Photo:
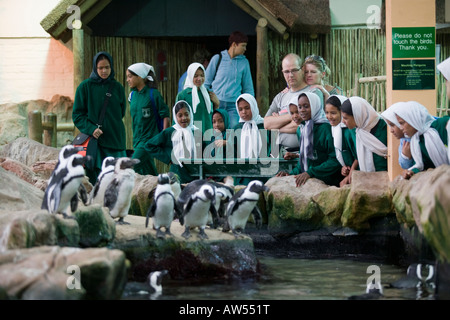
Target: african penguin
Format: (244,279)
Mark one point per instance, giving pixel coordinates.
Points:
(155,279)
(104,179)
(163,207)
(223,196)
(241,205)
(65,182)
(118,193)
(197,199)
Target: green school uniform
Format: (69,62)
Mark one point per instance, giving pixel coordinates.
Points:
(440,125)
(89,100)
(325,165)
(160,147)
(145,126)
(380,132)
(266,139)
(201,114)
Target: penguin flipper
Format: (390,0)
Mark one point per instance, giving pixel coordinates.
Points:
(74,203)
(177,209)
(215,215)
(150,212)
(83,194)
(257,216)
(111,194)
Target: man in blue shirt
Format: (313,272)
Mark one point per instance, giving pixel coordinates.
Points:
(230,77)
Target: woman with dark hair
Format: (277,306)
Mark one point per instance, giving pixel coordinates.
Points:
(176,142)
(89,101)
(145,100)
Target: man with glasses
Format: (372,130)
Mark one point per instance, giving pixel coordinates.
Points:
(278,116)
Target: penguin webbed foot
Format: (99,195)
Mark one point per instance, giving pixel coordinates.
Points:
(238,234)
(66,216)
(122,222)
(186,234)
(202,235)
(160,234)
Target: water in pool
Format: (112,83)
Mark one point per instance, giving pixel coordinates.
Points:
(290,279)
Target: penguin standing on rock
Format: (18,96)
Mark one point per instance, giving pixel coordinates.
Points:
(118,194)
(104,179)
(224,193)
(241,205)
(163,207)
(175,184)
(65,182)
(197,199)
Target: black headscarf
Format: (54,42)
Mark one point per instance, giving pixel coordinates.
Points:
(94,74)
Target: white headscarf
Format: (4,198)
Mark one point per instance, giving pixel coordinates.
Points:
(307,135)
(337,134)
(142,70)
(251,142)
(444,68)
(417,116)
(189,83)
(366,143)
(389,113)
(185,134)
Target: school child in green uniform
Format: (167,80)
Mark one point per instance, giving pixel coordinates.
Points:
(176,142)
(429,137)
(195,93)
(217,147)
(368,138)
(145,99)
(89,101)
(250,139)
(317,157)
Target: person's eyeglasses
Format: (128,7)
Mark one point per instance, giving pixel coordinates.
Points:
(293,71)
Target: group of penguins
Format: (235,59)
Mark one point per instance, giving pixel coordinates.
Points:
(200,203)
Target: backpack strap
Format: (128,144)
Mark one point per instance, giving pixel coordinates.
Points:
(105,104)
(217,67)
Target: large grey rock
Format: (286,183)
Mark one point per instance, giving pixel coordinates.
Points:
(28,152)
(369,197)
(291,209)
(222,255)
(52,272)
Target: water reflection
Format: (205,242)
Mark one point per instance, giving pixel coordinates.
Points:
(292,279)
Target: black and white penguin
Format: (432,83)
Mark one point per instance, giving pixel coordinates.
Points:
(164,207)
(105,177)
(224,193)
(118,194)
(196,200)
(241,205)
(155,279)
(65,182)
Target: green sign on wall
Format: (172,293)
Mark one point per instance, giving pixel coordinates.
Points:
(413,74)
(417,42)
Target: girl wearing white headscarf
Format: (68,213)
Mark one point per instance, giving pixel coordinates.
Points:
(428,136)
(253,140)
(444,68)
(197,96)
(405,159)
(144,99)
(317,158)
(176,142)
(370,132)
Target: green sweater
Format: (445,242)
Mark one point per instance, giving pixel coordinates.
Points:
(325,167)
(144,122)
(201,114)
(89,99)
(380,132)
(440,125)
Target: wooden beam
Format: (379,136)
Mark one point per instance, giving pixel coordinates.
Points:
(262,66)
(273,22)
